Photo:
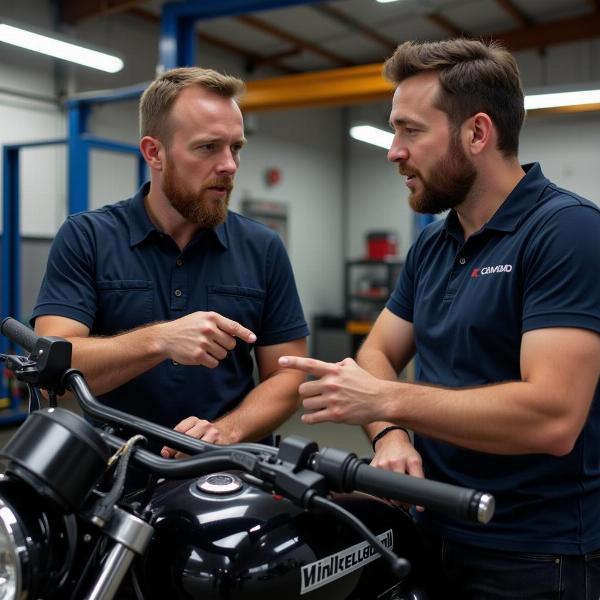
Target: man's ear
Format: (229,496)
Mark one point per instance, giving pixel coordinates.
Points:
(480,132)
(153,152)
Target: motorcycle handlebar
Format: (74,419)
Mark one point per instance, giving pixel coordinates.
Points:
(344,471)
(349,473)
(451,500)
(18,333)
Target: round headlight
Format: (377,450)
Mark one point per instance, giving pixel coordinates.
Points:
(12,553)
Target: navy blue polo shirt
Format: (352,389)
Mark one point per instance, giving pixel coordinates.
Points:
(113,270)
(535,264)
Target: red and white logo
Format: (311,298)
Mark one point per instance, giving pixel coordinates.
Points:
(480,271)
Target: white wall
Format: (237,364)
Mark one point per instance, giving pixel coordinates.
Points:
(566,145)
(24,119)
(304,145)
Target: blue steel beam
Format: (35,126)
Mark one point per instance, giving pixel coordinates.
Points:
(10,236)
(78,159)
(98,143)
(11,260)
(177,31)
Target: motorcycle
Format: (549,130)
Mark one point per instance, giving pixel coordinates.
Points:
(237,522)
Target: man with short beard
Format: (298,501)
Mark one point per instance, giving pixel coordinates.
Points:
(166,295)
(501,304)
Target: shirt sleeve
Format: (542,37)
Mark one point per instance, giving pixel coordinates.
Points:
(68,287)
(283,319)
(561,270)
(401,302)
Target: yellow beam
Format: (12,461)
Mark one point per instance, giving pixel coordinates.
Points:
(592,107)
(335,87)
(338,87)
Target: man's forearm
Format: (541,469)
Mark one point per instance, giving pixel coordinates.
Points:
(266,407)
(376,363)
(109,362)
(508,418)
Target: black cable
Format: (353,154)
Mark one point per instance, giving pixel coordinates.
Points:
(400,566)
(103,508)
(34,399)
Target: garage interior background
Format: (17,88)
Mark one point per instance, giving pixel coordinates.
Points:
(335,189)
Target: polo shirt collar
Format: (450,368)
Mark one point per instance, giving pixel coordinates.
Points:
(140,225)
(221,232)
(516,206)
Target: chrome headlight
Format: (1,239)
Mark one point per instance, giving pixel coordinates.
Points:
(13,554)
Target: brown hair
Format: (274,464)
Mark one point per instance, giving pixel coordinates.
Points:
(474,77)
(158,98)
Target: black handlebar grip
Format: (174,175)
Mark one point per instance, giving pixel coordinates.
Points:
(451,500)
(18,333)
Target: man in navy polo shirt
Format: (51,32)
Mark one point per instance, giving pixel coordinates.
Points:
(501,303)
(165,295)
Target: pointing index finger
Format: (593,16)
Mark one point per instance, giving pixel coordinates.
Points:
(317,368)
(235,329)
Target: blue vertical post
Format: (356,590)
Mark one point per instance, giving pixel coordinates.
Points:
(78,158)
(11,255)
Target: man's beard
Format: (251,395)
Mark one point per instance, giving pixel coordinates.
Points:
(196,206)
(451,180)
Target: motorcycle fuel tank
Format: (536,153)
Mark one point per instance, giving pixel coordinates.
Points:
(222,538)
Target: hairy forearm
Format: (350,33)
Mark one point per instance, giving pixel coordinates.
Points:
(507,418)
(266,407)
(376,362)
(109,362)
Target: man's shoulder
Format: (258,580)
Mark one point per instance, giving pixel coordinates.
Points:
(556,198)
(249,228)
(100,215)
(106,217)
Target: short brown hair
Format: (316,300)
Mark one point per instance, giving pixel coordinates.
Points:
(159,96)
(474,77)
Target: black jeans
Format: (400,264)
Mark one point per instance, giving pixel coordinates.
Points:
(464,572)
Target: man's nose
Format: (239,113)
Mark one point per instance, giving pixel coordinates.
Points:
(228,162)
(398,152)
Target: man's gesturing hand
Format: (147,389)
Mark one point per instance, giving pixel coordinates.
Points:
(201,338)
(343,392)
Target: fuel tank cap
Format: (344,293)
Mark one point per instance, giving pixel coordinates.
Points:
(219,484)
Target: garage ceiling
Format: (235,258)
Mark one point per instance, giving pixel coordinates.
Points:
(344,33)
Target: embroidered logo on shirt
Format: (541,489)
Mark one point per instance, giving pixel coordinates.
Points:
(479,271)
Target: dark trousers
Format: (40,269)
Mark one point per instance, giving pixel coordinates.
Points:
(463,572)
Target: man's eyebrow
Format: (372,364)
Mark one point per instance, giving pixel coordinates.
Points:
(405,121)
(216,140)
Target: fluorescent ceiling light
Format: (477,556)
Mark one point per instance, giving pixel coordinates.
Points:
(386,1)
(372,135)
(562,99)
(53,45)
(383,138)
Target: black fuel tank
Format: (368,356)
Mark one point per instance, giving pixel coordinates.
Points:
(221,538)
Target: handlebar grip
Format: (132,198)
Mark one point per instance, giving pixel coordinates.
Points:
(452,500)
(18,333)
